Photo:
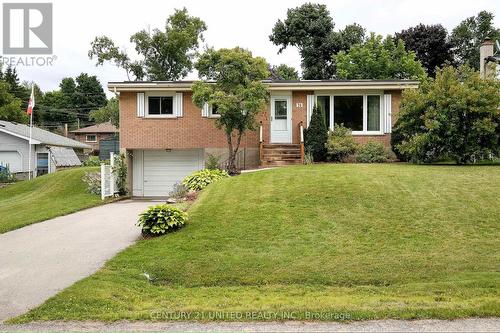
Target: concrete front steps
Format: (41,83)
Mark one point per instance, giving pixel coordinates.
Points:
(278,154)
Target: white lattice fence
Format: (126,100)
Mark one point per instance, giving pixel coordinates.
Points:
(108,178)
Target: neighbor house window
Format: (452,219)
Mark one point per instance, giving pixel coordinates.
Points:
(160,106)
(91,138)
(360,113)
(348,110)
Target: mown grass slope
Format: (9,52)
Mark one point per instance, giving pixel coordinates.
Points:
(349,241)
(45,197)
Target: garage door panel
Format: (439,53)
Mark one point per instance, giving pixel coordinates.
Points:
(163,169)
(12,159)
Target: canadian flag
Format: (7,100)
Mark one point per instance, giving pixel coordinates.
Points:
(31,102)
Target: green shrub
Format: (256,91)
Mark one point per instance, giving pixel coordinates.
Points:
(455,116)
(159,219)
(316,135)
(372,152)
(340,144)
(93,181)
(120,171)
(6,176)
(200,179)
(212,162)
(179,191)
(92,161)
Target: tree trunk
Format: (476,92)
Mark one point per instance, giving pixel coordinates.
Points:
(231,161)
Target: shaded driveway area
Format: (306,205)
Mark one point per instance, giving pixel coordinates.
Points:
(41,259)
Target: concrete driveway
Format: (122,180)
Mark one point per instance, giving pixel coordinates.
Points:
(41,259)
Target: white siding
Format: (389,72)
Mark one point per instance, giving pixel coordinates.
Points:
(10,143)
(137,173)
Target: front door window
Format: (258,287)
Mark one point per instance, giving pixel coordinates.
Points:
(281,131)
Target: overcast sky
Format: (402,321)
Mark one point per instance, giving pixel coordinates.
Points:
(230,23)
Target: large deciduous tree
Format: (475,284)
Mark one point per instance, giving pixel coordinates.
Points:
(10,106)
(378,58)
(430,44)
(236,91)
(310,29)
(467,37)
(283,72)
(165,55)
(110,112)
(456,116)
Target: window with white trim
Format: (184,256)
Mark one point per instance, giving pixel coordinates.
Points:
(361,113)
(214,111)
(160,106)
(91,138)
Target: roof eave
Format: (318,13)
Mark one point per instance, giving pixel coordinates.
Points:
(273,86)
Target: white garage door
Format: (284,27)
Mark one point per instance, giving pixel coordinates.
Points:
(12,159)
(162,169)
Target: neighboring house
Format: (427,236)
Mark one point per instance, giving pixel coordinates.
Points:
(92,135)
(49,151)
(166,136)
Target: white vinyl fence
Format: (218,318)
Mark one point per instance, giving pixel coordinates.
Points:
(108,178)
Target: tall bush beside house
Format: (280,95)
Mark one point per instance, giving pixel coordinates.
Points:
(456,117)
(340,144)
(316,135)
(120,171)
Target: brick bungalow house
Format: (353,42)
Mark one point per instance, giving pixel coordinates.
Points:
(166,136)
(92,135)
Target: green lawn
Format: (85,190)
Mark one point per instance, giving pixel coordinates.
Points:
(312,242)
(45,197)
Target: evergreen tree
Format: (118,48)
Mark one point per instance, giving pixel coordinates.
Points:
(316,135)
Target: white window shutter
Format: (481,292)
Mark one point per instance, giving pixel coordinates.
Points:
(387,113)
(178,104)
(309,109)
(205,110)
(140,104)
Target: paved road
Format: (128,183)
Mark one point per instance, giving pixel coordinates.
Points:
(461,325)
(41,259)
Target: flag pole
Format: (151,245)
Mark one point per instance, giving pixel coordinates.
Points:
(29,150)
(31,104)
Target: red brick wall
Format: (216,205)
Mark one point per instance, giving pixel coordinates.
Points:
(189,131)
(194,131)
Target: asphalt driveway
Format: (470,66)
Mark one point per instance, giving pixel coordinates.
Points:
(41,259)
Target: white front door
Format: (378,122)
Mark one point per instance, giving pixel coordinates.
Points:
(281,119)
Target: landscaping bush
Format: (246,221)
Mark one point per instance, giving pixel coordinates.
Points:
(5,175)
(316,135)
(179,191)
(212,162)
(159,219)
(92,161)
(371,152)
(120,171)
(453,117)
(93,181)
(200,179)
(340,144)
